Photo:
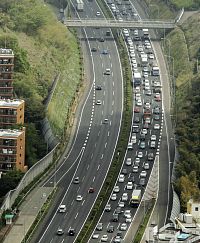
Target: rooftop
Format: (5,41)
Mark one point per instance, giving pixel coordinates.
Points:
(8,133)
(10,103)
(6,52)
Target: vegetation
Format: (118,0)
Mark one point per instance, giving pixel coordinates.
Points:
(184,48)
(44,49)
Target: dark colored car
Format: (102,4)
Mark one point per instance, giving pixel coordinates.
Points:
(101,39)
(71,232)
(94,49)
(99,87)
(91,190)
(150,156)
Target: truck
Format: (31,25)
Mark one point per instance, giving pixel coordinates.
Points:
(136,197)
(79,5)
(137,78)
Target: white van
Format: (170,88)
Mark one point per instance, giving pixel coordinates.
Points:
(62,208)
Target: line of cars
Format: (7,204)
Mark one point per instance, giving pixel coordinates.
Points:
(143,140)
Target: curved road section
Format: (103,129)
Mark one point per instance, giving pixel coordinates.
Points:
(93,148)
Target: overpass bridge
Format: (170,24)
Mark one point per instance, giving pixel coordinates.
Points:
(112,23)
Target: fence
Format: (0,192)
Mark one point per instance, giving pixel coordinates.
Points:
(30,175)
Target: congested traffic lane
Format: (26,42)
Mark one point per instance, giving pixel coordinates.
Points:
(109,228)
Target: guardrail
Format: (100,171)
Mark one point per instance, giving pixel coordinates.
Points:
(29,176)
(111,23)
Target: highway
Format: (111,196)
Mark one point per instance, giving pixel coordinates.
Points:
(95,141)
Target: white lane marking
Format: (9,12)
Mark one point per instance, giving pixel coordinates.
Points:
(112,74)
(102,156)
(98,167)
(76,216)
(113,92)
(93,179)
(105,144)
(110,123)
(83,178)
(102,112)
(113,102)
(99,133)
(111,64)
(95,145)
(91,155)
(112,112)
(104,92)
(108,133)
(103,102)
(79,188)
(88,166)
(83,202)
(72,202)
(113,84)
(51,240)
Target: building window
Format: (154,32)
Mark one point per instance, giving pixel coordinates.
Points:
(196,209)
(20,155)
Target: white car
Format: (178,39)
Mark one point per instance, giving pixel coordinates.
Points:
(128,219)
(137,96)
(129,185)
(137,161)
(151,56)
(79,198)
(98,13)
(143,173)
(98,102)
(147,105)
(124,197)
(140,154)
(121,204)
(153,137)
(95,236)
(116,189)
(137,89)
(128,161)
(144,131)
(156,126)
(104,238)
(127,212)
(113,197)
(139,103)
(121,178)
(135,168)
(132,54)
(123,227)
(146,166)
(62,208)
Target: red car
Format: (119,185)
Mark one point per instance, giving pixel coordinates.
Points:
(136,109)
(91,190)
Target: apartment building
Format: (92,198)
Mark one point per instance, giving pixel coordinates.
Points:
(11,112)
(12,150)
(6,73)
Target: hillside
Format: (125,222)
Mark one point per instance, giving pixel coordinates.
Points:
(43,48)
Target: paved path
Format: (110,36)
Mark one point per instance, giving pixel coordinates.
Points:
(28,212)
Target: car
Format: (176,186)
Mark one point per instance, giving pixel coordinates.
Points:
(108,71)
(105,121)
(93,49)
(113,197)
(156,110)
(147,120)
(110,229)
(115,217)
(153,144)
(71,231)
(95,236)
(145,69)
(157,98)
(151,56)
(91,190)
(146,125)
(142,145)
(132,54)
(140,154)
(146,166)
(135,169)
(121,178)
(116,189)
(153,137)
(128,219)
(136,109)
(156,126)
(144,131)
(145,75)
(130,146)
(139,103)
(128,161)
(147,106)
(123,227)
(105,52)
(104,238)
(124,171)
(76,180)
(108,208)
(143,173)
(136,119)
(124,197)
(142,137)
(117,239)
(129,185)
(79,198)
(150,156)
(156,117)
(142,182)
(132,178)
(62,208)
(137,161)
(135,129)
(121,204)
(148,92)
(101,39)
(127,212)
(98,87)
(98,102)
(98,13)
(99,227)
(60,231)
(118,210)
